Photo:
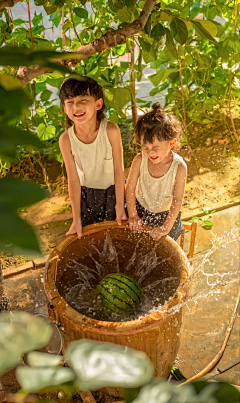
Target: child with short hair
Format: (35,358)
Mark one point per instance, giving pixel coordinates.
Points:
(156,182)
(93,155)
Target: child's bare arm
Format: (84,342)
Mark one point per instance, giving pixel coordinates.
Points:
(134,220)
(178,193)
(74,186)
(115,139)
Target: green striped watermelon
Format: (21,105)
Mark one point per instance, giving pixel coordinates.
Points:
(119,293)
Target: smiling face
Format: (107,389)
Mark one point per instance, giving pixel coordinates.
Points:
(157,151)
(82,108)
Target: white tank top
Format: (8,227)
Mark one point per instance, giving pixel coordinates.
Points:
(155,194)
(94,161)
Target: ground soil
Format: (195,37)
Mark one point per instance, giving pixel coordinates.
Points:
(212,181)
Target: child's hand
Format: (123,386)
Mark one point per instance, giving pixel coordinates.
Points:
(158,232)
(120,214)
(76,228)
(135,223)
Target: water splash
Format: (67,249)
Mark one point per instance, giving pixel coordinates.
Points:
(208,275)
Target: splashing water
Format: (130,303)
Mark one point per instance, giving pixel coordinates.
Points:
(209,273)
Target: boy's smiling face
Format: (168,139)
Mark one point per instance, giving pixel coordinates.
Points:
(82,108)
(157,151)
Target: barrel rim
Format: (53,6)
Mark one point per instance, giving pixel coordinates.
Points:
(104,327)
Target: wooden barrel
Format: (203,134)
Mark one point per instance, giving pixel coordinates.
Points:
(157,333)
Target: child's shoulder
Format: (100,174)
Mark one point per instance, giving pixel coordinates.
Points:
(112,127)
(182,166)
(64,138)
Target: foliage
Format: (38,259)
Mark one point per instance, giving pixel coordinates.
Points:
(92,365)
(205,222)
(179,38)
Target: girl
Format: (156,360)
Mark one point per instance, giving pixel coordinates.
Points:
(93,156)
(156,182)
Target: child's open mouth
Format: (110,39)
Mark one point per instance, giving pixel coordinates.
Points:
(79,114)
(153,158)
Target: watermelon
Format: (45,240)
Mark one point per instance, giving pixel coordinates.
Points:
(119,293)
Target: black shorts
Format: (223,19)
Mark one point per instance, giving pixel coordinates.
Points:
(97,205)
(158,219)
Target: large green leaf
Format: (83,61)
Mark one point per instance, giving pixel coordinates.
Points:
(125,14)
(157,31)
(18,56)
(15,102)
(16,193)
(45,95)
(179,30)
(38,359)
(170,43)
(11,138)
(16,235)
(116,5)
(33,380)
(46,133)
(202,31)
(99,364)
(20,333)
(117,98)
(80,12)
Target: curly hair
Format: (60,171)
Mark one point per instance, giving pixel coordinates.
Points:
(72,88)
(159,124)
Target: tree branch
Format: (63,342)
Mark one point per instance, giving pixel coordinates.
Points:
(110,39)
(8,3)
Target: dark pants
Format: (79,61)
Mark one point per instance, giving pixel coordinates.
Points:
(97,205)
(158,219)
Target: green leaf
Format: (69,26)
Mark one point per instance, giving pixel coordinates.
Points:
(132,368)
(157,31)
(80,12)
(11,138)
(209,26)
(45,133)
(208,223)
(124,14)
(148,25)
(38,359)
(174,6)
(45,95)
(16,235)
(170,43)
(202,31)
(116,5)
(33,380)
(149,57)
(114,118)
(159,391)
(20,333)
(17,193)
(179,30)
(15,102)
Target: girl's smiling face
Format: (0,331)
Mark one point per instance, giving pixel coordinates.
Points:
(157,151)
(82,108)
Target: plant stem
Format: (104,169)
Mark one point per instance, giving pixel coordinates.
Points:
(30,25)
(230,80)
(63,41)
(184,112)
(133,89)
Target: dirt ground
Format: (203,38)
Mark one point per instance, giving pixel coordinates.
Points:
(212,182)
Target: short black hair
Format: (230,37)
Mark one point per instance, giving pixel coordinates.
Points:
(159,124)
(72,88)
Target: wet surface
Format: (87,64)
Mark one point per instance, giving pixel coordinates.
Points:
(206,315)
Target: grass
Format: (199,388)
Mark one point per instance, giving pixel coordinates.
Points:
(62,209)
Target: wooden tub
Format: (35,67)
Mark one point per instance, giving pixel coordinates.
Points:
(157,334)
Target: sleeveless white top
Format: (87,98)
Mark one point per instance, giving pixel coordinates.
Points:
(94,161)
(155,194)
